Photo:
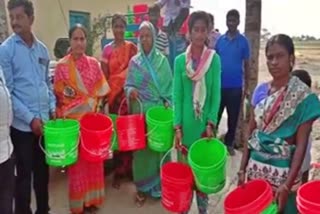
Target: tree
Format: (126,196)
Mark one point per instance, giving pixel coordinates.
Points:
(4,31)
(253,33)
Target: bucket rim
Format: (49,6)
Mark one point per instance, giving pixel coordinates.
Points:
(185,166)
(148,118)
(302,188)
(76,123)
(260,197)
(208,167)
(98,131)
(298,199)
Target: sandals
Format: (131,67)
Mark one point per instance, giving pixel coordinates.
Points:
(140,199)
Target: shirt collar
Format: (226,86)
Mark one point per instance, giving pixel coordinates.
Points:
(18,39)
(227,37)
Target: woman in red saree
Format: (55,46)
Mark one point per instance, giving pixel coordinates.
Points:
(115,60)
(80,87)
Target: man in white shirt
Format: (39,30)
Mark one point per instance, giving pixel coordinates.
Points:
(6,148)
(176,12)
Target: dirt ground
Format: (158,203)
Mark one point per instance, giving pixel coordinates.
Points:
(121,201)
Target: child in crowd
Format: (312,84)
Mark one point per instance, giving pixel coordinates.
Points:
(304,76)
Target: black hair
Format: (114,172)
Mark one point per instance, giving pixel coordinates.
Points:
(198,15)
(283,40)
(76,27)
(116,17)
(26,4)
(303,75)
(211,18)
(154,9)
(233,13)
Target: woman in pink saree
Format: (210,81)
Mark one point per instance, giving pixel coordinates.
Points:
(80,87)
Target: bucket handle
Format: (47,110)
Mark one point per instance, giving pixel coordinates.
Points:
(151,131)
(92,153)
(49,155)
(181,148)
(164,156)
(124,99)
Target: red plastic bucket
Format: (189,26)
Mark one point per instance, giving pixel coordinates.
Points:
(176,187)
(96,133)
(305,210)
(131,131)
(308,199)
(137,10)
(252,197)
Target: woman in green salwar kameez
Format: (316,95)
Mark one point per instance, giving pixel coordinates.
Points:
(149,81)
(196,90)
(283,112)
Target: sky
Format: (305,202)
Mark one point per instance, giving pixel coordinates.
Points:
(292,17)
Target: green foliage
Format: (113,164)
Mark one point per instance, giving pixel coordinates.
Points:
(98,29)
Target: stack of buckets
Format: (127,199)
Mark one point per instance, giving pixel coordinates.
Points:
(308,200)
(176,178)
(61,138)
(139,9)
(254,197)
(208,159)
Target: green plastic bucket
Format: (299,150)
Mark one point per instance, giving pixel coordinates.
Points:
(61,139)
(115,145)
(66,124)
(208,160)
(160,128)
(272,209)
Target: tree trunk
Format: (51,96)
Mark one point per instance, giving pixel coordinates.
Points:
(253,33)
(3,21)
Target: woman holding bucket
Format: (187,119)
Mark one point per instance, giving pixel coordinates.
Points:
(115,60)
(283,112)
(149,81)
(80,86)
(197,73)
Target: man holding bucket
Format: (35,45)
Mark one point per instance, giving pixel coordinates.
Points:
(25,62)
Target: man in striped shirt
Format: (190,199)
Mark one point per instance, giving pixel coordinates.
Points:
(162,42)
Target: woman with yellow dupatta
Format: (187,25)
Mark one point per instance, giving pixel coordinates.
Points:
(115,60)
(80,86)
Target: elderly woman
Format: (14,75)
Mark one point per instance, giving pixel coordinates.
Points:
(6,150)
(80,86)
(115,61)
(149,82)
(196,91)
(283,112)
